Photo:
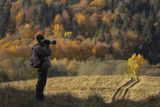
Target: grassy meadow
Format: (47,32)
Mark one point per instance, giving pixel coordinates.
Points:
(83,91)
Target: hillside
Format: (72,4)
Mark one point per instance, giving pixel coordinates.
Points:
(92,91)
(125,26)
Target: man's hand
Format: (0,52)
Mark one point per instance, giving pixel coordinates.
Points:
(47,42)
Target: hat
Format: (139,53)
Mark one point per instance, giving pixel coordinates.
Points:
(40,38)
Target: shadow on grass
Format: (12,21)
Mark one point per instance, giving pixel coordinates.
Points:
(10,97)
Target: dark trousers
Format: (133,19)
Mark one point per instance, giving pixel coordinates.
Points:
(42,79)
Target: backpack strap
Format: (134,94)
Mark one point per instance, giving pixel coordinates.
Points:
(35,45)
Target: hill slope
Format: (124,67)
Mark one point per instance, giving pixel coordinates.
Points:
(93,90)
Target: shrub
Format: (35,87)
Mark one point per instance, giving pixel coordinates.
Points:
(17,69)
(3,75)
(98,67)
(63,68)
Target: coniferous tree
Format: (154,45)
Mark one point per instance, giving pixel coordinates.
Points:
(157,5)
(43,15)
(4,16)
(138,26)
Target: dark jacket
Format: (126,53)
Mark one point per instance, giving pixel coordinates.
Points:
(43,53)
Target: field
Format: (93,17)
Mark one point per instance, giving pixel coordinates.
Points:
(83,91)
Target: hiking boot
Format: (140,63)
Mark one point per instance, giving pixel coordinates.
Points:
(40,97)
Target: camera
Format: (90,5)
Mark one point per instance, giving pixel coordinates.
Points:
(48,42)
(53,42)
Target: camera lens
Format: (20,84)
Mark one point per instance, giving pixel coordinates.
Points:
(53,42)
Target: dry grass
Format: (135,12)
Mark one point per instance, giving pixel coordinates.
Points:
(79,86)
(96,90)
(148,86)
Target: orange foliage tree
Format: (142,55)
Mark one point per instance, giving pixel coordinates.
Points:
(98,3)
(19,18)
(81,18)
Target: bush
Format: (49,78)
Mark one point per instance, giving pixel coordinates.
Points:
(63,68)
(98,67)
(17,69)
(3,75)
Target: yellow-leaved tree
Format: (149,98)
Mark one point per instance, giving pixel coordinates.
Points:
(134,64)
(58,30)
(68,34)
(49,2)
(26,31)
(80,18)
(106,18)
(98,3)
(19,18)
(57,26)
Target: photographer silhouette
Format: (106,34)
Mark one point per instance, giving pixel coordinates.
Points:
(40,60)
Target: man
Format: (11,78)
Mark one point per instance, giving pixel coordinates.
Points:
(43,51)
